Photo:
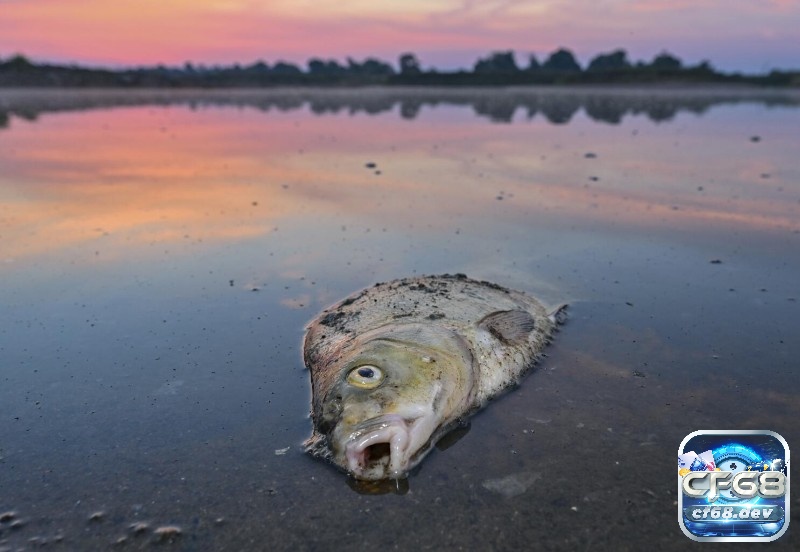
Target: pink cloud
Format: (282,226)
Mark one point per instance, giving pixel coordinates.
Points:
(448,32)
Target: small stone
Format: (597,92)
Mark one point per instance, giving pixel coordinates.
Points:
(715,261)
(167,533)
(120,541)
(17,524)
(7,516)
(370,165)
(755,138)
(97,516)
(139,528)
(590,155)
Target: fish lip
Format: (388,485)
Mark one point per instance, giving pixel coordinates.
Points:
(392,429)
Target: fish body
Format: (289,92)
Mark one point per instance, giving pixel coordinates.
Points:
(396,366)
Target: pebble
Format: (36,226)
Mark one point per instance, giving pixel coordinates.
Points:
(97,516)
(7,516)
(139,528)
(167,533)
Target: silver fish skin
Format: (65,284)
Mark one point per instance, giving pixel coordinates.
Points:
(396,366)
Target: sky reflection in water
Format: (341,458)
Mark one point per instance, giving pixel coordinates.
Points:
(144,174)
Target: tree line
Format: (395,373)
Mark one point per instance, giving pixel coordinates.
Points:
(497,68)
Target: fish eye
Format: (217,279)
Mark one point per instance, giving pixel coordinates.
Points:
(365,376)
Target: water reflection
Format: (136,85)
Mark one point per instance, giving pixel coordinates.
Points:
(556,105)
(153,171)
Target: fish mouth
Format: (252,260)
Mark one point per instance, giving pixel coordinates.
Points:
(378,448)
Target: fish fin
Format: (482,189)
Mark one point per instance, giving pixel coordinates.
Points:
(558,315)
(508,327)
(317,445)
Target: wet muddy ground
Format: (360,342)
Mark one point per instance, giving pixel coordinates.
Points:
(160,255)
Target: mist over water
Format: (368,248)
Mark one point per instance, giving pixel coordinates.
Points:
(160,253)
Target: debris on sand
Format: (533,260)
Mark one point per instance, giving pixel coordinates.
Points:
(512,485)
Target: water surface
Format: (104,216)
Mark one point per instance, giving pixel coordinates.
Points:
(160,253)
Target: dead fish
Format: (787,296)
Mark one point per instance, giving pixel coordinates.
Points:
(396,366)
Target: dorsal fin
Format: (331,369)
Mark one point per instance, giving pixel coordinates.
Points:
(509,327)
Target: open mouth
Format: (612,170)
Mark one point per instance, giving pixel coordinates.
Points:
(377,448)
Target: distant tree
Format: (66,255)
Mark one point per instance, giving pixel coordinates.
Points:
(666,61)
(498,62)
(18,61)
(562,61)
(370,66)
(188,67)
(286,69)
(409,65)
(316,66)
(612,61)
(330,67)
(704,67)
(533,64)
(258,67)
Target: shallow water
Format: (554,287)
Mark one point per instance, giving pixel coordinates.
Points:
(160,253)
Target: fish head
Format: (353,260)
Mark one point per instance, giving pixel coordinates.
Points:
(394,391)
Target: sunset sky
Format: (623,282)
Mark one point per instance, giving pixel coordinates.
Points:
(746,35)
